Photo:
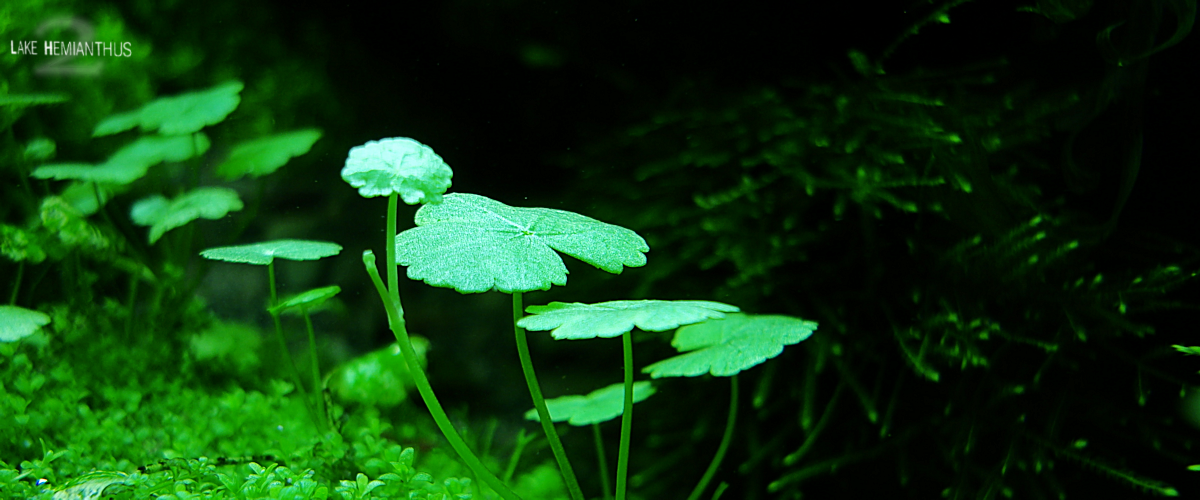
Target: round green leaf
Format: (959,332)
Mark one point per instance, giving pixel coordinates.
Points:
(600,405)
(176,115)
(724,347)
(473,244)
(397,165)
(163,215)
(264,253)
(610,319)
(17,323)
(263,156)
(308,300)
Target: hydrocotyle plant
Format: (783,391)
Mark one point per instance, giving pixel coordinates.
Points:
(474,244)
(264,254)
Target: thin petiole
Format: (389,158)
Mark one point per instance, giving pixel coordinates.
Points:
(539,402)
(730,424)
(396,321)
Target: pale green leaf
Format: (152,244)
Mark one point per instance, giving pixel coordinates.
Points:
(307,300)
(264,253)
(163,215)
(473,244)
(130,162)
(263,156)
(397,165)
(175,115)
(724,347)
(610,319)
(600,405)
(17,322)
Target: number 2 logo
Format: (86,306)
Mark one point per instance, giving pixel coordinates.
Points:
(62,65)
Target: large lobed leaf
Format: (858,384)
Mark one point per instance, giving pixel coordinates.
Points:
(397,165)
(176,115)
(263,156)
(724,347)
(474,244)
(265,253)
(600,405)
(610,319)
(163,215)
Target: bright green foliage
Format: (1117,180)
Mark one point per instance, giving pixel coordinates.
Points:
(380,377)
(263,156)
(474,244)
(264,253)
(398,165)
(131,162)
(600,405)
(724,347)
(17,322)
(307,301)
(610,319)
(163,215)
(182,114)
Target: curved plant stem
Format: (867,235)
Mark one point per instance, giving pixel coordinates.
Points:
(603,461)
(730,423)
(322,413)
(287,356)
(539,402)
(626,416)
(418,374)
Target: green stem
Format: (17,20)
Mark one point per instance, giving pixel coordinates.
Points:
(539,402)
(730,423)
(322,413)
(396,321)
(603,461)
(626,417)
(16,286)
(283,349)
(393,279)
(522,441)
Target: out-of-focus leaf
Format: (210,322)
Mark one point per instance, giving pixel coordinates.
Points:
(130,162)
(17,322)
(380,377)
(600,405)
(263,156)
(163,215)
(176,115)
